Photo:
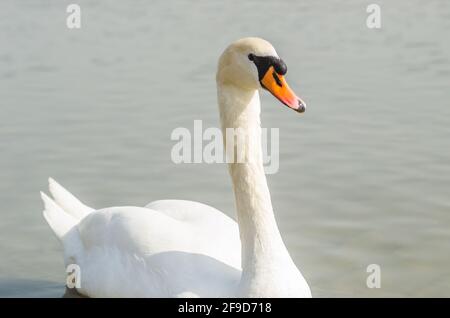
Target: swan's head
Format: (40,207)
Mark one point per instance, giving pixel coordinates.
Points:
(253,63)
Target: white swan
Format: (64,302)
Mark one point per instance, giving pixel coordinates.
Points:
(174,248)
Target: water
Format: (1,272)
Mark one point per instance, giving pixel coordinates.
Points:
(364,175)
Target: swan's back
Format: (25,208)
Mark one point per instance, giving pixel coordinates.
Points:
(150,254)
(162,251)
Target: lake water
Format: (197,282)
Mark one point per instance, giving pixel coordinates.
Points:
(364,174)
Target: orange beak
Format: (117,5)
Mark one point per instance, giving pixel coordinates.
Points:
(277,85)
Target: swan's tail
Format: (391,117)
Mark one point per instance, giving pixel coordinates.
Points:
(62,214)
(67,201)
(60,222)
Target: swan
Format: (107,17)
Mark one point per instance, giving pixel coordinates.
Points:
(175,248)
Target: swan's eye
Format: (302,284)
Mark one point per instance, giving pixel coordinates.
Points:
(251,57)
(280,66)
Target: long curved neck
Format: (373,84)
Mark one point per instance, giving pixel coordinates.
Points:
(266,264)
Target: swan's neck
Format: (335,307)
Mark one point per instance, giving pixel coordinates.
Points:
(267,268)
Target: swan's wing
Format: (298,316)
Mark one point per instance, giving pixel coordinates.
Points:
(147,231)
(131,229)
(141,247)
(171,248)
(189,211)
(216,234)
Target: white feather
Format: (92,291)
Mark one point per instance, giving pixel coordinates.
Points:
(67,201)
(59,221)
(174,248)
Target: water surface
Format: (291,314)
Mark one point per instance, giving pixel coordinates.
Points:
(364,175)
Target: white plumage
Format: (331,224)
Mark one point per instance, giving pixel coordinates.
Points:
(162,250)
(174,248)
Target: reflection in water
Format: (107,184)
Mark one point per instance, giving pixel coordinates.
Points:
(30,288)
(72,293)
(35,288)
